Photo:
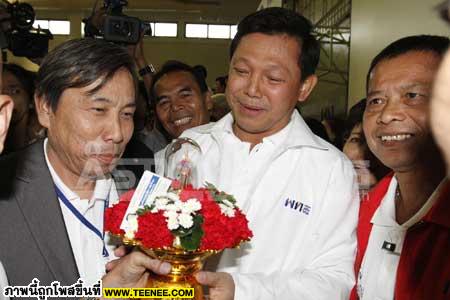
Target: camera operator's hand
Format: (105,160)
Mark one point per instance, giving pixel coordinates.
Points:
(36,60)
(137,53)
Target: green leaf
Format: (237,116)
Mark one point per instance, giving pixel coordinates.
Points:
(145,209)
(192,241)
(210,186)
(182,232)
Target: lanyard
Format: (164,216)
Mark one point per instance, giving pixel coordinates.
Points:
(82,219)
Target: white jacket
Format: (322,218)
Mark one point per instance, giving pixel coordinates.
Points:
(3,282)
(301,199)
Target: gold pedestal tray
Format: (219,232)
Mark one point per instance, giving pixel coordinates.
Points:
(184,265)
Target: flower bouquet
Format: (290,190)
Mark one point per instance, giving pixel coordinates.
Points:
(182,226)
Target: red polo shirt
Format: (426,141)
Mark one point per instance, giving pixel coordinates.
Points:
(424,268)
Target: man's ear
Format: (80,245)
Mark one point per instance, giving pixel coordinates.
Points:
(43,110)
(208,101)
(306,87)
(6,109)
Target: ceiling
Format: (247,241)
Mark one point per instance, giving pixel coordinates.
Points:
(205,8)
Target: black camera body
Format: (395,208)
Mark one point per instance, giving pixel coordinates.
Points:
(17,33)
(115,26)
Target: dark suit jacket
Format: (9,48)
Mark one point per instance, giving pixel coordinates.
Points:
(33,237)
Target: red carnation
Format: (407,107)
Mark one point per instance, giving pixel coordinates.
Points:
(220,231)
(239,223)
(114,215)
(153,232)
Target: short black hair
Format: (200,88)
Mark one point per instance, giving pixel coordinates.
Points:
(177,66)
(25,77)
(317,128)
(431,43)
(276,21)
(78,63)
(201,69)
(222,80)
(355,117)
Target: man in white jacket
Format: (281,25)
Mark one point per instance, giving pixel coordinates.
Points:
(297,190)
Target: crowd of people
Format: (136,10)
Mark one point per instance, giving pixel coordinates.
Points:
(372,200)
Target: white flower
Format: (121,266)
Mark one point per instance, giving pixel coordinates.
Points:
(172,207)
(227,211)
(178,204)
(172,219)
(185,220)
(172,196)
(170,214)
(160,203)
(172,223)
(190,206)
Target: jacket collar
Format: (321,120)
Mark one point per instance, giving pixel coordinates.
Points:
(439,213)
(41,210)
(299,133)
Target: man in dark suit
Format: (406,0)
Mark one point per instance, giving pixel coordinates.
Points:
(53,194)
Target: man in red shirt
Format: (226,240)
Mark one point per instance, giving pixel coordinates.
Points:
(404,225)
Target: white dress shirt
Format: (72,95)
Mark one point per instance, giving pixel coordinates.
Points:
(87,247)
(378,272)
(300,196)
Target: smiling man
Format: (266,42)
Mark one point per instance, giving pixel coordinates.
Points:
(53,193)
(404,228)
(298,191)
(181,98)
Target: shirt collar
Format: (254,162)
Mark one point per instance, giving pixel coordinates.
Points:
(439,213)
(385,214)
(299,133)
(102,188)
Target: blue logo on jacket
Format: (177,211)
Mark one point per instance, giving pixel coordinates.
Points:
(297,205)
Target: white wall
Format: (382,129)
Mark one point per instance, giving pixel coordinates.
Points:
(376,23)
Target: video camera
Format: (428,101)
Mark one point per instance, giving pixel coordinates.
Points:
(111,24)
(17,33)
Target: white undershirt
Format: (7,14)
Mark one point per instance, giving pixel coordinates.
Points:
(378,272)
(87,247)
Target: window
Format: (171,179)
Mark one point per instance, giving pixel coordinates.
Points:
(165,29)
(158,29)
(196,30)
(55,26)
(233,31)
(210,31)
(219,31)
